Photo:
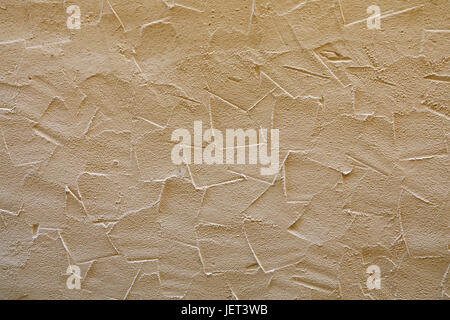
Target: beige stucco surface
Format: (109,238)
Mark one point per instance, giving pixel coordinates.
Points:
(87,179)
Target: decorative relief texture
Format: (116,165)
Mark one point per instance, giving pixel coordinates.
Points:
(119,174)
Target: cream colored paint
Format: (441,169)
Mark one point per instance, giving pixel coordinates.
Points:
(89,100)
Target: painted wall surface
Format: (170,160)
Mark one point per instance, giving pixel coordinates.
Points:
(120,178)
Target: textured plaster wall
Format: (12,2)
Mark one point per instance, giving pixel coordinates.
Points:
(87,180)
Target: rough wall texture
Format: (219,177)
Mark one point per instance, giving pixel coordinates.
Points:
(92,204)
